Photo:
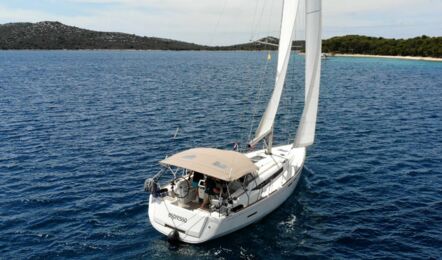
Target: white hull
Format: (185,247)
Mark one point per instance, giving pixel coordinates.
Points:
(198,226)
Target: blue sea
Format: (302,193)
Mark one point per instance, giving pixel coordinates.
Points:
(81,130)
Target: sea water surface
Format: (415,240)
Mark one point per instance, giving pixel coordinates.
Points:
(81,130)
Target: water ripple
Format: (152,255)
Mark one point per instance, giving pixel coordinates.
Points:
(80,131)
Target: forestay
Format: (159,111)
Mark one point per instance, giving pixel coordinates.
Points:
(305,135)
(285,46)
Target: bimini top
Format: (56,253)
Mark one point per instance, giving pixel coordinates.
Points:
(220,164)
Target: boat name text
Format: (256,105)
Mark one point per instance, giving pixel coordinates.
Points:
(179,218)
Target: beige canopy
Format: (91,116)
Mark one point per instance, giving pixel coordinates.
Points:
(220,164)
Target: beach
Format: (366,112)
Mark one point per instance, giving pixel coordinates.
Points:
(386,56)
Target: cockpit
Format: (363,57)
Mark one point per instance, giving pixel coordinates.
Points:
(204,178)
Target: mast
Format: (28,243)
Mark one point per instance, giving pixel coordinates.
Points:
(305,134)
(265,128)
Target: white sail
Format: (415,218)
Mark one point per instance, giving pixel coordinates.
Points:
(289,11)
(305,135)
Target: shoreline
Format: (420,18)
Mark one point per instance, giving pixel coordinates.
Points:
(385,56)
(416,58)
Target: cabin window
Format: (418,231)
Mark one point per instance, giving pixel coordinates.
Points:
(247,179)
(270,179)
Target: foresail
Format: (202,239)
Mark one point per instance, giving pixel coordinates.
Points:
(305,135)
(289,11)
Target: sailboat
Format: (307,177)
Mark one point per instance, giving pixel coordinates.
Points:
(214,192)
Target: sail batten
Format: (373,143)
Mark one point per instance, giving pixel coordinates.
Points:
(290,8)
(305,134)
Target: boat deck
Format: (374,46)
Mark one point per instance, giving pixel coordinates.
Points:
(189,206)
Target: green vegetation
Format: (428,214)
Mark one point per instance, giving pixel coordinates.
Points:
(355,44)
(55,35)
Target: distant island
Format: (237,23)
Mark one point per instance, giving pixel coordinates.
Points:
(55,35)
(423,46)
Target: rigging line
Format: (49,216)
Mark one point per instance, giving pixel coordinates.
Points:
(218,22)
(259,21)
(253,20)
(292,98)
(259,94)
(243,117)
(262,11)
(314,11)
(255,24)
(255,110)
(268,20)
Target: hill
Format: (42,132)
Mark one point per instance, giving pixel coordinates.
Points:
(55,35)
(423,46)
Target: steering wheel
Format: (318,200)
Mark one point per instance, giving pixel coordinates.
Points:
(184,185)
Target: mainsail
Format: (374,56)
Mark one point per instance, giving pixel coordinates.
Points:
(289,11)
(307,125)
